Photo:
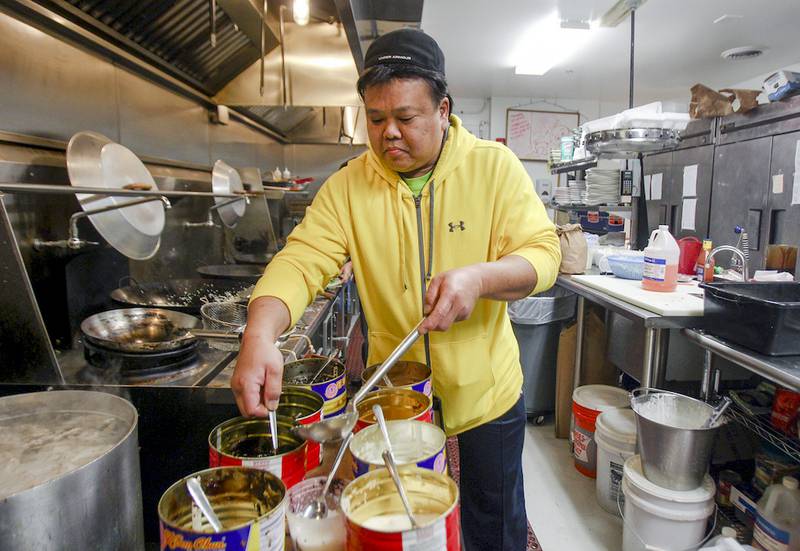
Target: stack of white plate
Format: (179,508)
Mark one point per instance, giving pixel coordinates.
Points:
(561,195)
(602,186)
(577,191)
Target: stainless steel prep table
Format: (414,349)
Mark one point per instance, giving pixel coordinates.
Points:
(655,325)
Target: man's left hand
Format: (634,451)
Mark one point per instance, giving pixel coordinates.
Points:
(451,297)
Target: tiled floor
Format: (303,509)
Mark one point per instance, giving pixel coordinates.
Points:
(560,501)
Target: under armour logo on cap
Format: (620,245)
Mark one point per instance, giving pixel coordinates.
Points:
(459,226)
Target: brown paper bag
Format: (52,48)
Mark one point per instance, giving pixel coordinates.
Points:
(706,103)
(565,374)
(747,99)
(573,249)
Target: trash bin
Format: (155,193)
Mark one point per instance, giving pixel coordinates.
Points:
(537,323)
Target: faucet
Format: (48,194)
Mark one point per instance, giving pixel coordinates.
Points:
(74,241)
(737,252)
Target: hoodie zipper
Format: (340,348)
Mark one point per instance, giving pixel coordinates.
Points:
(423,282)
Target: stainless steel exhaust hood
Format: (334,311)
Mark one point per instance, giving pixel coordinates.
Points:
(215,48)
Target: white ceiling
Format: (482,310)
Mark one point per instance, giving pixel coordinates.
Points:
(677,45)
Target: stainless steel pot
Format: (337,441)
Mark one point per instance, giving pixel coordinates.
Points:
(95,503)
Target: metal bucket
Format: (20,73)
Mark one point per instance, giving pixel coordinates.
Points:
(330,384)
(397,404)
(69,477)
(410,375)
(247,442)
(675,451)
(250,504)
(377,521)
(305,407)
(413,443)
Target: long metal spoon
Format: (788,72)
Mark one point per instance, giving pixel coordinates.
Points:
(325,365)
(391,465)
(273,429)
(341,425)
(319,507)
(201,500)
(717,413)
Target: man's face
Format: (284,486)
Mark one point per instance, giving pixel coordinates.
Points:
(405,128)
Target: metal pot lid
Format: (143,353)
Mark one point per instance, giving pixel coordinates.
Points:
(95,161)
(247,272)
(225,179)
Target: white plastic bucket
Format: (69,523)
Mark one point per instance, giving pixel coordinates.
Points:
(615,435)
(660,519)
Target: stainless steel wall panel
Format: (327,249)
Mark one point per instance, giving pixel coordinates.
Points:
(319,161)
(703,157)
(156,122)
(766,120)
(659,210)
(784,217)
(51,89)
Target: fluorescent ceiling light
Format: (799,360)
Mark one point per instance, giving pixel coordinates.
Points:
(300,12)
(619,11)
(546,44)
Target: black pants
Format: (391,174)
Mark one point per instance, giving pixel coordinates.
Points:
(492,495)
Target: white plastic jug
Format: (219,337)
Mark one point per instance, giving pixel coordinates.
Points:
(661,261)
(778,521)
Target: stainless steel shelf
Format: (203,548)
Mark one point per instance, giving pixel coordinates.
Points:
(572,166)
(761,427)
(608,208)
(784,370)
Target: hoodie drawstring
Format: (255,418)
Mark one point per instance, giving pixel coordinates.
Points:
(399,209)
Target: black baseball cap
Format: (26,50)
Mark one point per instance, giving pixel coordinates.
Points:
(406,47)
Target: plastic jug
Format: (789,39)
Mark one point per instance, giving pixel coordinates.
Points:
(661,261)
(726,542)
(778,521)
(690,248)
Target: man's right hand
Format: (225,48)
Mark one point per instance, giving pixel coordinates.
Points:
(257,378)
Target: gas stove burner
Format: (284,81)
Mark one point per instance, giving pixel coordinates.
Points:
(132,367)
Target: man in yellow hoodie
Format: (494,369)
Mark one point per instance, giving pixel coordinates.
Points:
(436,223)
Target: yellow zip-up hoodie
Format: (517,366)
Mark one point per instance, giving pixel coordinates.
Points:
(485,208)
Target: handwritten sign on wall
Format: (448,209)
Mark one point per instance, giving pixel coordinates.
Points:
(532,134)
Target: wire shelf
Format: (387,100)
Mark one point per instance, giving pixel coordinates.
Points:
(726,516)
(760,425)
(572,166)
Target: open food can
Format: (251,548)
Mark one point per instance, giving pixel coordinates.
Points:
(330,384)
(305,407)
(248,443)
(376,519)
(410,375)
(397,404)
(250,504)
(413,443)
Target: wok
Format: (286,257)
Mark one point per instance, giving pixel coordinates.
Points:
(183,295)
(140,329)
(244,272)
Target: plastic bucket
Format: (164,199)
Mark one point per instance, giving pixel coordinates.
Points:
(675,450)
(661,519)
(616,442)
(587,403)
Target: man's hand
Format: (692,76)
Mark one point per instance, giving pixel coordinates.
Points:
(346,273)
(258,376)
(451,297)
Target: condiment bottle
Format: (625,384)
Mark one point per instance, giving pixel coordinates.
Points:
(703,269)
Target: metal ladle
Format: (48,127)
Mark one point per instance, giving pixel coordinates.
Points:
(325,365)
(717,413)
(391,466)
(201,500)
(318,508)
(342,425)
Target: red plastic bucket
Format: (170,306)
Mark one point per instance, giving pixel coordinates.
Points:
(228,440)
(587,403)
(376,520)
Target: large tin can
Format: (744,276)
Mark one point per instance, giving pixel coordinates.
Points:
(305,407)
(376,520)
(413,443)
(410,375)
(250,504)
(397,404)
(247,442)
(331,384)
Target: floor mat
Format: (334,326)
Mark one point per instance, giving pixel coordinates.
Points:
(454,469)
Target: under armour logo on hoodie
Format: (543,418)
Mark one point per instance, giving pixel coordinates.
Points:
(459,226)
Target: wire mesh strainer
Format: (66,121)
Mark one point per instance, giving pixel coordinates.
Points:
(224,316)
